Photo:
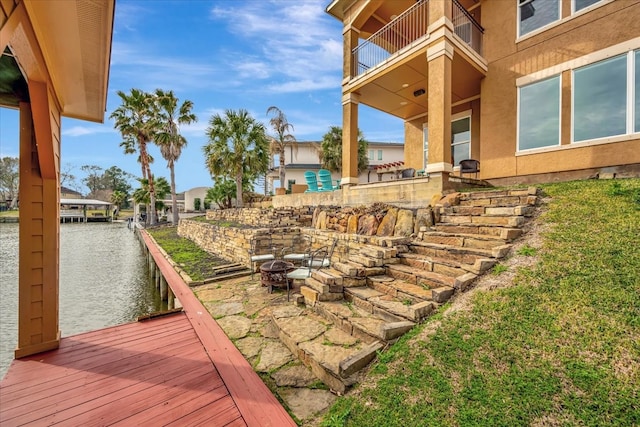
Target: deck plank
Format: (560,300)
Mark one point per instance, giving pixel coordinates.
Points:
(181,369)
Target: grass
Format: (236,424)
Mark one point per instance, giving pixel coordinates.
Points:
(11,214)
(197,263)
(561,346)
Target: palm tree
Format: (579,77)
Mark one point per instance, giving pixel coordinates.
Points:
(143,193)
(238,146)
(282,128)
(331,150)
(135,121)
(168,137)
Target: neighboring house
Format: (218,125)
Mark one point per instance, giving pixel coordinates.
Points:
(536,90)
(190,197)
(67,193)
(307,157)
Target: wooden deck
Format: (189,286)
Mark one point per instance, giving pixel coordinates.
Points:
(179,369)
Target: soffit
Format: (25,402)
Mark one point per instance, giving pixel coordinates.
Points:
(75,40)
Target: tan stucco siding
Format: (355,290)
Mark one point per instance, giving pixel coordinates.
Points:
(573,38)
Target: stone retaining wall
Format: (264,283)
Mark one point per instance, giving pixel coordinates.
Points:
(261,217)
(228,233)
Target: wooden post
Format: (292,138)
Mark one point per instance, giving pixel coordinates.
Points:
(163,287)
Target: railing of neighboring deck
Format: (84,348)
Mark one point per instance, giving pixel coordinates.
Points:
(466,27)
(408,27)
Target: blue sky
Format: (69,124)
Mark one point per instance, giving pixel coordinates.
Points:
(220,54)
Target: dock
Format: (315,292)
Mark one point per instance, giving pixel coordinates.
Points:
(178,369)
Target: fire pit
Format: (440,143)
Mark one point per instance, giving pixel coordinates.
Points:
(274,273)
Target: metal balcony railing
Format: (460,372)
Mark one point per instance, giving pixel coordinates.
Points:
(467,28)
(408,27)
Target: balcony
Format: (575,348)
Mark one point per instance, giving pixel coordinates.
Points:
(408,28)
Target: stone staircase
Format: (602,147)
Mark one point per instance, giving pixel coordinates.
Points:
(387,285)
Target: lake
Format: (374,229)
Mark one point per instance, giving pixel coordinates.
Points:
(104,281)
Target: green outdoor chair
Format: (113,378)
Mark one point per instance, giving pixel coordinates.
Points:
(312,182)
(326,181)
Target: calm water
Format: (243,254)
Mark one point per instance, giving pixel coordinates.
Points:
(103,281)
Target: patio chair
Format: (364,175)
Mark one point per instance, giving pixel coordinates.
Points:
(259,245)
(408,173)
(299,257)
(312,182)
(469,166)
(316,261)
(324,176)
(326,261)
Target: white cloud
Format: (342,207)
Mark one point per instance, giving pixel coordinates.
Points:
(87,130)
(298,43)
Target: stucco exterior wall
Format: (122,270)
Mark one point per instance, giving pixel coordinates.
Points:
(574,37)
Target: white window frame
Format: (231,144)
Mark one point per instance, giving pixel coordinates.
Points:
(540,29)
(379,155)
(547,147)
(460,116)
(560,21)
(573,6)
(425,145)
(371,156)
(630,101)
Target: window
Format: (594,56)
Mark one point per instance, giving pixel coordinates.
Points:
(600,99)
(379,154)
(461,140)
(582,4)
(637,90)
(534,14)
(276,161)
(425,138)
(539,114)
(370,154)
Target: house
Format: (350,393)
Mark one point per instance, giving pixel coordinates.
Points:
(307,157)
(535,90)
(54,62)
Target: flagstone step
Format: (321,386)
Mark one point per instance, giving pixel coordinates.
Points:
(410,303)
(505,198)
(446,266)
(508,221)
(334,356)
(464,255)
(462,239)
(505,233)
(354,269)
(493,210)
(417,276)
(363,321)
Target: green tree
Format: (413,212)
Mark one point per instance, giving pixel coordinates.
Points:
(283,130)
(116,179)
(93,178)
(118,198)
(238,146)
(135,118)
(224,190)
(9,178)
(168,136)
(142,194)
(331,150)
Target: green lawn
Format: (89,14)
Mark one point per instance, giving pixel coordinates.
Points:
(561,346)
(13,213)
(197,263)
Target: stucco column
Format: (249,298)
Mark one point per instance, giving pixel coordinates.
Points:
(350,139)
(38,326)
(349,42)
(439,56)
